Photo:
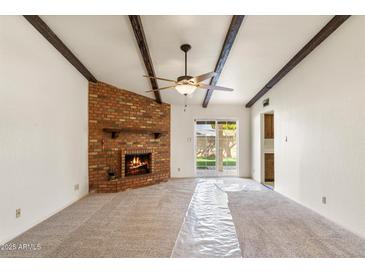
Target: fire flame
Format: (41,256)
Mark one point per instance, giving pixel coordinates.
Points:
(137,165)
(136,161)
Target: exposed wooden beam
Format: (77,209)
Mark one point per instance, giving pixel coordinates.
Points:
(228,43)
(137,26)
(47,33)
(326,31)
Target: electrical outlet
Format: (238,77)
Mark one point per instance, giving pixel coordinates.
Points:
(178,169)
(17,212)
(76,187)
(324,200)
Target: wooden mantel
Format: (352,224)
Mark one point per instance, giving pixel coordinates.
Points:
(115,131)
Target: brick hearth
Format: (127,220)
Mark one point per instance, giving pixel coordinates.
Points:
(110,107)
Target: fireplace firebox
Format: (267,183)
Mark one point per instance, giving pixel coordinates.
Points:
(137,164)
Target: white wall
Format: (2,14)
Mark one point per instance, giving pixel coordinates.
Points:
(182,135)
(43,128)
(320,107)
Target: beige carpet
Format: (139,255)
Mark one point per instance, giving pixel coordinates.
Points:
(145,222)
(141,222)
(271,225)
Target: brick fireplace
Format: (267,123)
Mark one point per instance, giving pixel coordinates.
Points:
(129,139)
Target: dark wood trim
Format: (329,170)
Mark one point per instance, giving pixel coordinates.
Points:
(115,131)
(227,45)
(326,31)
(47,33)
(137,26)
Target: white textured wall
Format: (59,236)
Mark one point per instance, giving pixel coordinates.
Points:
(43,128)
(320,107)
(182,135)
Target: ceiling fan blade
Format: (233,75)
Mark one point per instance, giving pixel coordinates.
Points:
(159,78)
(204,86)
(203,77)
(153,90)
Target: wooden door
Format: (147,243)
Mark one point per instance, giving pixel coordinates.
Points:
(269,126)
(269,167)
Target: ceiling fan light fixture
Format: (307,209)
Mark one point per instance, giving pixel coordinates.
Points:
(185,84)
(185,89)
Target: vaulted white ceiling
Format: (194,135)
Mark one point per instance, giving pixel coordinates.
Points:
(165,35)
(106,46)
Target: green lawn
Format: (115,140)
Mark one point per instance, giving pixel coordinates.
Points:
(203,162)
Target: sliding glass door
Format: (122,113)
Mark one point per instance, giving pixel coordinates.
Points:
(216,147)
(205,146)
(227,145)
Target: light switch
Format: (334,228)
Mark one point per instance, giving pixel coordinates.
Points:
(17,213)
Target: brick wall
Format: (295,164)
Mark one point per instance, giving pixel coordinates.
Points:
(110,107)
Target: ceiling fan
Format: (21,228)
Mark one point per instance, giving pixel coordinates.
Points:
(186,84)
